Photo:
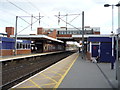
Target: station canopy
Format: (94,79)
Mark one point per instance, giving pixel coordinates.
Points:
(36,37)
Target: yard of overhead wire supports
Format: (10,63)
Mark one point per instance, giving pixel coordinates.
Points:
(16,71)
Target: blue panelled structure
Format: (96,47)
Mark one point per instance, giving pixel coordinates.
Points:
(102,47)
(7,43)
(95,48)
(7,46)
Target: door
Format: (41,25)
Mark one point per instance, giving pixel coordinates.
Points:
(106,52)
(95,50)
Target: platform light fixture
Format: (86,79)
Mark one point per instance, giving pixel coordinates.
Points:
(108,5)
(117,5)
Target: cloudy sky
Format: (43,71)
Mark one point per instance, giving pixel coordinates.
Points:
(96,15)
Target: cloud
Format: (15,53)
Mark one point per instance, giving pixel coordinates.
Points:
(96,14)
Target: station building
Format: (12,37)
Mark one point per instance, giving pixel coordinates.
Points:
(46,40)
(102,47)
(7,46)
(27,44)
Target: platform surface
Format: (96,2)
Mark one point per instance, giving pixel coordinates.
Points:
(73,72)
(85,74)
(50,77)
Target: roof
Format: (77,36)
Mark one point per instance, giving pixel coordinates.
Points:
(92,35)
(36,37)
(100,39)
(3,34)
(73,29)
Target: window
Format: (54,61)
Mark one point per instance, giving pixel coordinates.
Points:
(24,46)
(18,45)
(29,46)
(62,32)
(21,46)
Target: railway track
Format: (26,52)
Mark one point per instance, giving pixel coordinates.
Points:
(16,71)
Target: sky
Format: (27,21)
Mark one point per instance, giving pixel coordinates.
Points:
(96,15)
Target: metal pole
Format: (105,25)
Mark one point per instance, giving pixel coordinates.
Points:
(39,19)
(116,56)
(112,63)
(66,23)
(113,30)
(82,34)
(31,21)
(1,47)
(15,52)
(112,18)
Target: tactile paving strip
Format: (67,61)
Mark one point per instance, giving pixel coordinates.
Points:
(50,77)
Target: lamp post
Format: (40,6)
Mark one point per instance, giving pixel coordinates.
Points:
(15,50)
(83,35)
(117,5)
(108,5)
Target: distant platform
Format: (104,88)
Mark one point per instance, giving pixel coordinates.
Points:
(7,58)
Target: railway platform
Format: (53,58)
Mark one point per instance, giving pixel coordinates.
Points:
(73,72)
(8,58)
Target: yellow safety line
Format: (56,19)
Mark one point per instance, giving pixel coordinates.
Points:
(63,70)
(49,78)
(12,88)
(57,67)
(57,85)
(56,73)
(35,84)
(47,84)
(57,76)
(38,78)
(48,72)
(27,87)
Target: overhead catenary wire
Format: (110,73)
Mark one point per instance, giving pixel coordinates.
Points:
(31,21)
(25,12)
(24,20)
(33,5)
(18,7)
(67,23)
(10,14)
(39,19)
(30,24)
(27,26)
(73,19)
(67,15)
(59,18)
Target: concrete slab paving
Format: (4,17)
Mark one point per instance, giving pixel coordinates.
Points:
(50,77)
(110,74)
(82,74)
(85,74)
